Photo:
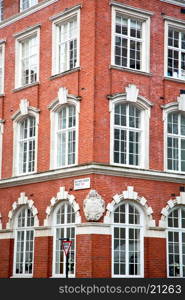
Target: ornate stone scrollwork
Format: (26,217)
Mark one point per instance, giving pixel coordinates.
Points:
(94,206)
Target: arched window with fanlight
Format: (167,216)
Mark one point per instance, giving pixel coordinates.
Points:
(64,227)
(176,242)
(127,240)
(24,243)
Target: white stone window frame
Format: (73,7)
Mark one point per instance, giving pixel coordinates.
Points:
(144,17)
(24,229)
(21,203)
(54,230)
(178,202)
(2,49)
(21,37)
(61,197)
(30,4)
(62,100)
(57,21)
(132,96)
(178,230)
(18,117)
(176,107)
(175,24)
(127,226)
(147,221)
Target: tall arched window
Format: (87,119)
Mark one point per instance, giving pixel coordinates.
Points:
(127,134)
(27,141)
(24,242)
(64,227)
(176,242)
(176,142)
(66,136)
(127,241)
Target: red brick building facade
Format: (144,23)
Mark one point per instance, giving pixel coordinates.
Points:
(92,138)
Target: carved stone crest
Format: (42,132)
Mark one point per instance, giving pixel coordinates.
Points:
(94,206)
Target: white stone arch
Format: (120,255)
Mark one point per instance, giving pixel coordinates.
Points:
(130,194)
(179,200)
(22,200)
(62,195)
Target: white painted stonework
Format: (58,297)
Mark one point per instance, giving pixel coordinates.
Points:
(62,195)
(24,105)
(130,194)
(181,102)
(94,206)
(62,95)
(179,200)
(132,93)
(22,200)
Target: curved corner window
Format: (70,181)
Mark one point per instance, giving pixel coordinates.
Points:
(64,227)
(24,243)
(176,243)
(176,142)
(127,241)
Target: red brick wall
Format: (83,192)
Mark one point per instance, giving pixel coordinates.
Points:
(6,258)
(93,256)
(155,258)
(43,252)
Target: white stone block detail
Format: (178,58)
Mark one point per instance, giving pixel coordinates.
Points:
(181,102)
(178,199)
(149,211)
(143,201)
(24,105)
(71,198)
(152,223)
(53,201)
(48,210)
(10,214)
(125,194)
(76,207)
(162,224)
(117,198)
(164,211)
(34,211)
(110,207)
(107,220)
(14,206)
(62,95)
(170,203)
(132,93)
(182,195)
(30,203)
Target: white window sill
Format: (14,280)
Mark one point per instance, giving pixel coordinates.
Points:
(25,86)
(22,276)
(64,73)
(129,166)
(175,172)
(24,174)
(130,70)
(174,79)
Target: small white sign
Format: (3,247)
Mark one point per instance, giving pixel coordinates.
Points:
(80,184)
